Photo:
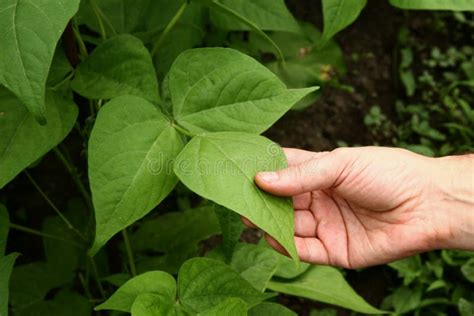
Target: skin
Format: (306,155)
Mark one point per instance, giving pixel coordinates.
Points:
(358,207)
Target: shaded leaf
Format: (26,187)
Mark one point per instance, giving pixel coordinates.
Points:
(131,152)
(20,131)
(231,226)
(65,302)
(6,267)
(219,89)
(4,223)
(120,66)
(221,167)
(467,270)
(30,32)
(154,282)
(205,283)
(324,284)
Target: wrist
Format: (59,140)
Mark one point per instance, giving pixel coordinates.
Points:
(452,202)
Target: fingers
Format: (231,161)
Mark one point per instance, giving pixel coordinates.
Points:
(317,173)
(305,224)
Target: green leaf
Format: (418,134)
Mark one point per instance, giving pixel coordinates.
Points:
(338,14)
(287,268)
(6,267)
(154,282)
(268,15)
(256,264)
(65,302)
(324,284)
(120,66)
(270,309)
(405,299)
(219,89)
(177,235)
(148,304)
(221,167)
(131,151)
(467,270)
(454,5)
(205,283)
(231,227)
(22,139)
(465,307)
(30,32)
(230,307)
(4,223)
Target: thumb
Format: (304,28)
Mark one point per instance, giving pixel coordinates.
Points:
(315,174)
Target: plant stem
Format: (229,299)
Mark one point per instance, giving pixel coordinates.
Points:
(77,34)
(96,10)
(85,286)
(53,206)
(128,247)
(183,130)
(169,27)
(95,271)
(75,176)
(41,234)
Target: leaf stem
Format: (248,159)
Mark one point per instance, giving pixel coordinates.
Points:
(75,176)
(128,247)
(97,11)
(53,206)
(41,234)
(183,131)
(80,41)
(95,272)
(169,27)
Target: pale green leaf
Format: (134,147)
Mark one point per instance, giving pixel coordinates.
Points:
(176,234)
(120,66)
(219,89)
(454,5)
(268,15)
(6,267)
(22,139)
(338,14)
(205,283)
(30,32)
(255,263)
(324,284)
(154,282)
(4,223)
(231,226)
(221,167)
(270,309)
(131,152)
(148,304)
(229,307)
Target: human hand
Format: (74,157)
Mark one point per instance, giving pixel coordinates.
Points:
(356,207)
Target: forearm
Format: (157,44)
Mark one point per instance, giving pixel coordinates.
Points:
(453,201)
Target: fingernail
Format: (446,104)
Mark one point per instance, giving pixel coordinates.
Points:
(268,176)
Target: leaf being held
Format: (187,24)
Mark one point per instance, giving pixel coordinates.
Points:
(30,32)
(120,66)
(131,152)
(219,89)
(22,139)
(221,167)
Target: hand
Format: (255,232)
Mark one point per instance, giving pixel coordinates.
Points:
(356,207)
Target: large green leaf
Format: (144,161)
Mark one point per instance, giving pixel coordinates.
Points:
(4,223)
(324,284)
(270,309)
(221,167)
(268,15)
(338,14)
(30,32)
(219,89)
(229,307)
(119,66)
(6,267)
(205,283)
(148,304)
(255,263)
(176,235)
(131,151)
(454,5)
(154,282)
(22,139)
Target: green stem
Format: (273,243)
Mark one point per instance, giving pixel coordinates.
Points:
(41,234)
(77,34)
(228,11)
(53,206)
(85,286)
(169,27)
(95,272)
(97,13)
(128,247)
(183,130)
(75,176)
